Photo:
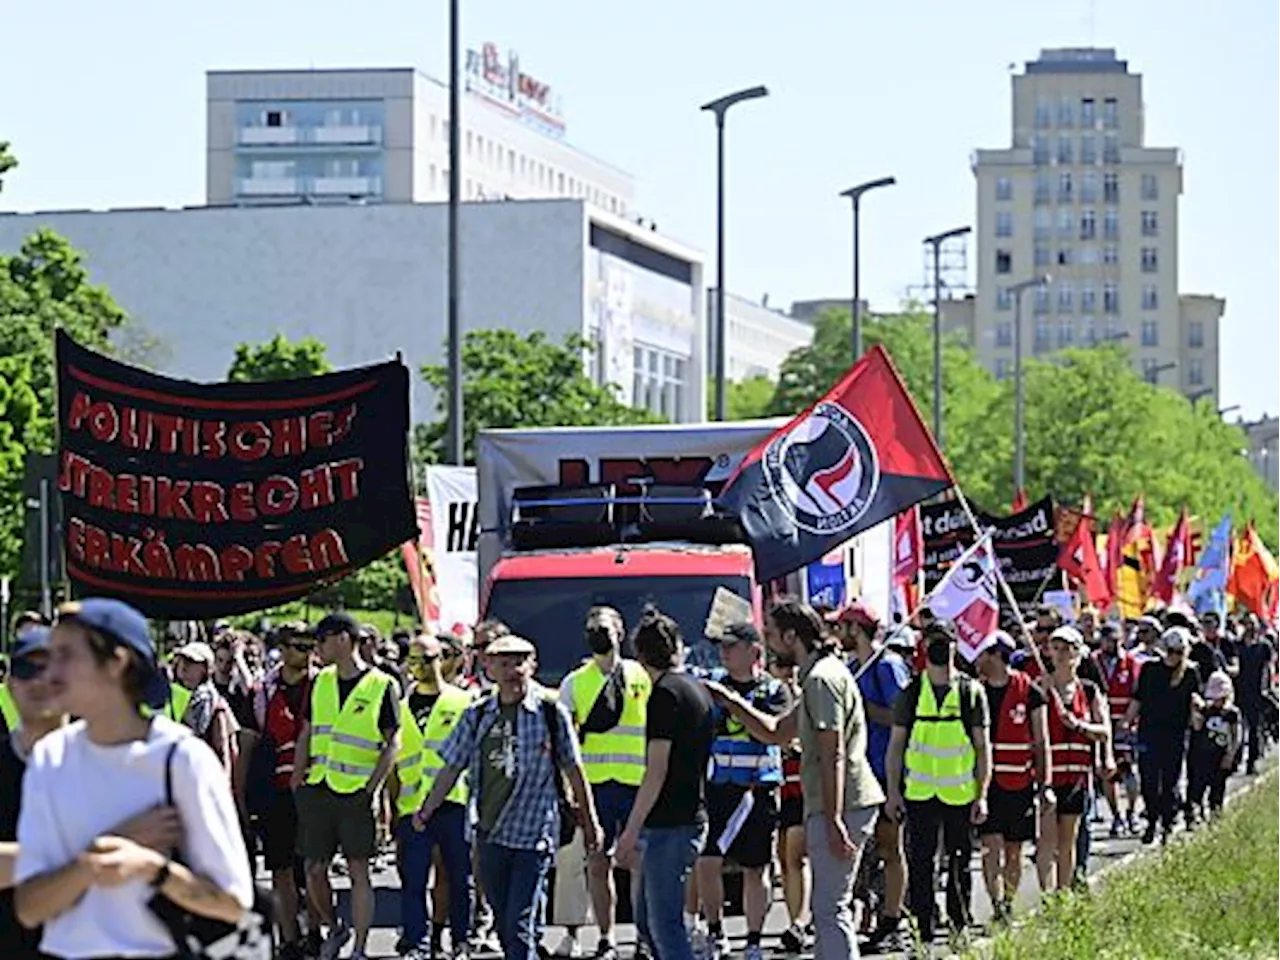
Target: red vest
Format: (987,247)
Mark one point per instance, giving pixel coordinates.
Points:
(1012,760)
(1070,752)
(282,725)
(1121,683)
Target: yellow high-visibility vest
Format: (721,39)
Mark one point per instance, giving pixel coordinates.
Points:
(345,740)
(418,763)
(939,760)
(619,754)
(176,708)
(9,709)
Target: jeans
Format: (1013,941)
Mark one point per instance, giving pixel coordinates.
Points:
(834,934)
(447,829)
(668,858)
(924,819)
(515,883)
(1160,766)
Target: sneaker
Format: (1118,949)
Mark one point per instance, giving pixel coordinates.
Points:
(338,936)
(605,950)
(792,939)
(719,948)
(1149,834)
(421,952)
(568,947)
(699,942)
(753,952)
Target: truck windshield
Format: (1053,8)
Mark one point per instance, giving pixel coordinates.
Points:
(551,612)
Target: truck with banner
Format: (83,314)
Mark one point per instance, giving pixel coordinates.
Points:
(570,517)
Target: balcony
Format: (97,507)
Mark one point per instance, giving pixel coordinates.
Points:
(346,186)
(268,187)
(346,134)
(268,136)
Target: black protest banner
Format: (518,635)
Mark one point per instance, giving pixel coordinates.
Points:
(194,501)
(1024,544)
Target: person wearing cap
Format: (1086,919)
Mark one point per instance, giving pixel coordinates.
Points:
(1215,745)
(1162,705)
(428,715)
(345,750)
(1146,635)
(1078,723)
(207,713)
(1118,670)
(608,698)
(514,745)
(88,886)
(742,767)
(1020,769)
(8,708)
(881,683)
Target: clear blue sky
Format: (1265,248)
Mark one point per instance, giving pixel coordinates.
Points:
(104,104)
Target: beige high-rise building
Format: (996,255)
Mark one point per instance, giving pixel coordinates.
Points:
(1080,197)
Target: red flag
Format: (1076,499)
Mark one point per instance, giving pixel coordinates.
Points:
(1255,578)
(1019,501)
(857,457)
(419,562)
(1177,554)
(908,559)
(1079,559)
(1115,551)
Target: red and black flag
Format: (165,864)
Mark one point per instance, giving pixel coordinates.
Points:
(855,458)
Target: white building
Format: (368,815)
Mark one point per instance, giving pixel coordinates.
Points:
(758,337)
(370,280)
(370,135)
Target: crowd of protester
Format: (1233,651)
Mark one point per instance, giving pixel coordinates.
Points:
(850,762)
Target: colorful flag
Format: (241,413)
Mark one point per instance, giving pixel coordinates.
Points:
(908,561)
(855,458)
(419,563)
(1254,575)
(1138,563)
(1078,558)
(1177,552)
(1208,590)
(1019,501)
(969,596)
(1114,554)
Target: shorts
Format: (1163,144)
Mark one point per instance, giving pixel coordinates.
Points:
(613,806)
(1072,800)
(278,829)
(791,813)
(753,846)
(1010,814)
(329,822)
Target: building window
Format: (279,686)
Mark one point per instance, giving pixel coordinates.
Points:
(1065,192)
(1004,223)
(1066,112)
(1111,224)
(1150,224)
(1088,334)
(1150,298)
(1004,334)
(1088,149)
(1111,187)
(1088,225)
(1003,368)
(1004,188)
(1150,333)
(1065,256)
(1150,187)
(1064,150)
(1088,299)
(1088,113)
(1110,113)
(1111,330)
(1004,261)
(1044,114)
(1195,372)
(1150,260)
(1066,333)
(1042,299)
(1110,254)
(1042,186)
(1043,336)
(1043,223)
(1004,299)
(1041,255)
(1110,298)
(1066,295)
(1039,149)
(1195,334)
(1089,187)
(1088,255)
(1066,221)
(1111,148)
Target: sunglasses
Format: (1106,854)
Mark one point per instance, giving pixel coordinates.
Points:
(302,646)
(27,668)
(421,658)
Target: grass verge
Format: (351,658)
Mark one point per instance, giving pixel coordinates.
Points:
(1211,895)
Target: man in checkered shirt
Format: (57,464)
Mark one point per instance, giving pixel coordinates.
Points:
(514,758)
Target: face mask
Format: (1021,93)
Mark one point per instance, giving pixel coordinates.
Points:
(938,652)
(599,640)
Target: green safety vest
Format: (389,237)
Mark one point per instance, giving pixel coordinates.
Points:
(345,741)
(618,755)
(9,709)
(940,758)
(419,763)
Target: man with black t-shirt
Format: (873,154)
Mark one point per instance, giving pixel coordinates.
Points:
(1256,656)
(670,806)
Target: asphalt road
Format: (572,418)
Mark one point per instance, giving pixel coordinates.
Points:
(1106,852)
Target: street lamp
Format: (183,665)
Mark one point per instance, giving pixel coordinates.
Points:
(1019,433)
(720,108)
(1153,373)
(855,195)
(1199,395)
(455,450)
(936,242)
(1223,411)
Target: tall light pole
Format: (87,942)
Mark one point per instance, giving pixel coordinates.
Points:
(1153,375)
(456,448)
(1199,395)
(936,242)
(1019,395)
(720,108)
(855,195)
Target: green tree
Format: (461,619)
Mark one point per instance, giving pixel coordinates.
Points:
(748,399)
(516,380)
(7,161)
(278,359)
(978,440)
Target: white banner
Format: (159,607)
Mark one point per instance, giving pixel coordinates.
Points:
(455,524)
(969,596)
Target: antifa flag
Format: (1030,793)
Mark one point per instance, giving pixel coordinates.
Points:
(1024,544)
(855,458)
(196,501)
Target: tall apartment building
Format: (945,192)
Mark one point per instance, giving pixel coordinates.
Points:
(370,135)
(1078,195)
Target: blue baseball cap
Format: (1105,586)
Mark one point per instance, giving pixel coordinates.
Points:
(32,639)
(125,625)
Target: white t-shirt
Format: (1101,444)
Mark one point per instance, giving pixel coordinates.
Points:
(75,791)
